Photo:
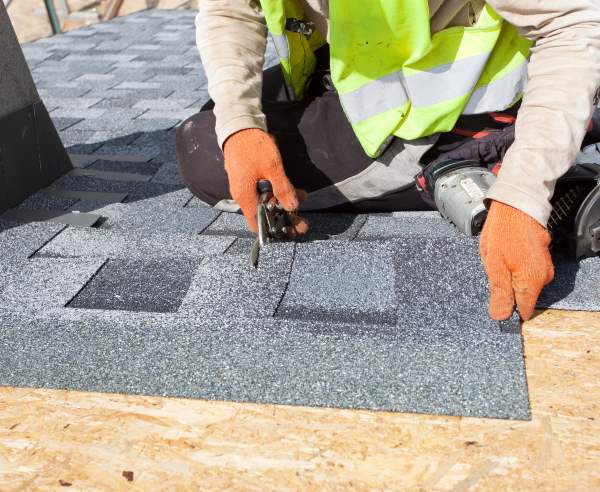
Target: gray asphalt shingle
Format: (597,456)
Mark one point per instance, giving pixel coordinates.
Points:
(342,282)
(229,286)
(143,168)
(378,227)
(576,286)
(144,216)
(272,361)
(23,240)
(41,284)
(113,244)
(43,201)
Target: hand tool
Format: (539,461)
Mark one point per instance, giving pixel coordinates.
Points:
(274,223)
(458,189)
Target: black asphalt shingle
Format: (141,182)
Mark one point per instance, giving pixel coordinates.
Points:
(138,285)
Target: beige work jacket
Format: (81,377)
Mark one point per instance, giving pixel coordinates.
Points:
(564,74)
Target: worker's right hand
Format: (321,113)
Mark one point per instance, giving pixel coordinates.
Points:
(252,155)
(516,257)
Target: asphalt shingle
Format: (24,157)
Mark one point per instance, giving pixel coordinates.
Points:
(342,282)
(92,183)
(322,225)
(41,284)
(146,217)
(113,244)
(426,224)
(23,240)
(229,286)
(143,168)
(44,201)
(273,361)
(168,173)
(138,285)
(576,286)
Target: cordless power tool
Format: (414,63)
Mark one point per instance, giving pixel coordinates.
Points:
(458,188)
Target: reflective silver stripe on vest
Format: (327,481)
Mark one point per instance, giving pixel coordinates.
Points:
(442,83)
(290,92)
(283,52)
(445,82)
(375,98)
(281,45)
(499,94)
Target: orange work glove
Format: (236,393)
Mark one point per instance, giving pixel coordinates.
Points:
(516,257)
(252,155)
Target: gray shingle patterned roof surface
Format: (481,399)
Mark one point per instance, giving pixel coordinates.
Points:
(380,311)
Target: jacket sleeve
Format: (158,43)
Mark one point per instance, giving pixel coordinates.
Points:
(231,36)
(564,75)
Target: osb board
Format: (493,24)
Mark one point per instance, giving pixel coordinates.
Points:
(89,440)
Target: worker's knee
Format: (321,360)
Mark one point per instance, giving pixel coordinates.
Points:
(196,133)
(200,158)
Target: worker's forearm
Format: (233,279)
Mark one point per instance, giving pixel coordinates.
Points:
(564,74)
(231,37)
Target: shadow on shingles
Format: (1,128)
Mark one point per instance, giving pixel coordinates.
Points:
(327,225)
(158,146)
(565,275)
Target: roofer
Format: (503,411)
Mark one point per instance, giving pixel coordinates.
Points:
(368,92)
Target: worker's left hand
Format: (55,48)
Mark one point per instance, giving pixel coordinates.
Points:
(252,155)
(516,257)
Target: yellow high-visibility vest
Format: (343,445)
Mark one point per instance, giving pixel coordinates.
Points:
(393,77)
